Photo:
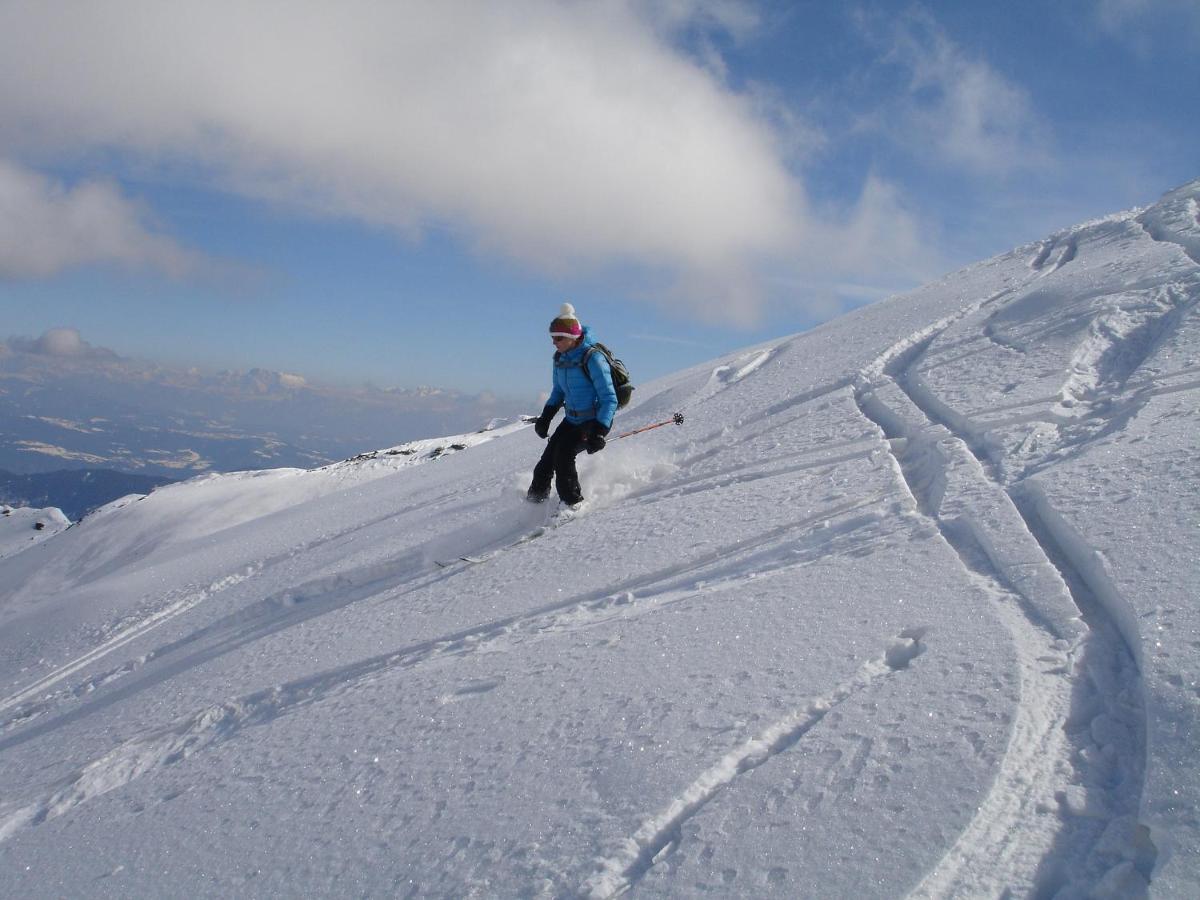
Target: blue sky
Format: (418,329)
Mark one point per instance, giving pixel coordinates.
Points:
(404,193)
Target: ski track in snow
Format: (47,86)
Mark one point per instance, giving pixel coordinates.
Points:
(1118,344)
(1066,246)
(167,610)
(1031,765)
(773,553)
(288,608)
(120,639)
(726,375)
(1055,780)
(659,833)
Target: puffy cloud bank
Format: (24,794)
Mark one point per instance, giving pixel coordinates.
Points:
(63,343)
(46,227)
(561,135)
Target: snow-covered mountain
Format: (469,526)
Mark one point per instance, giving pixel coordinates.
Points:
(907,606)
(65,404)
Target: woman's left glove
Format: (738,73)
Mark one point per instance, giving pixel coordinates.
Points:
(593,440)
(542,426)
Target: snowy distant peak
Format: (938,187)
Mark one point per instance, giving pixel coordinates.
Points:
(422,390)
(94,409)
(39,358)
(262,381)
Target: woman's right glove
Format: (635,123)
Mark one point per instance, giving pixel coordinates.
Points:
(542,426)
(593,437)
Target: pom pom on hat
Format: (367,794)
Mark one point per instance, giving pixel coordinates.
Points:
(566,325)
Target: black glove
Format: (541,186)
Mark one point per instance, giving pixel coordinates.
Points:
(593,437)
(542,426)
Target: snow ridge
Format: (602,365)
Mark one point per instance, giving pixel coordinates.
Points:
(1176,219)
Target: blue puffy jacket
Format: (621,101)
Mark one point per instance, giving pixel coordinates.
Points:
(585,394)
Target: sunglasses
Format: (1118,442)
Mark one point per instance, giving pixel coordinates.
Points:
(558,339)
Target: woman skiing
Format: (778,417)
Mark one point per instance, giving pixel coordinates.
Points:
(583,385)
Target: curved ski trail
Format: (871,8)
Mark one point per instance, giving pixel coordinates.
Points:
(1043,821)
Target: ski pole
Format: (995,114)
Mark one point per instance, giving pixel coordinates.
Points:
(677,419)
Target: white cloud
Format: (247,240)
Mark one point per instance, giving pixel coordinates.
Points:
(880,237)
(558,134)
(871,251)
(562,135)
(959,106)
(46,227)
(63,343)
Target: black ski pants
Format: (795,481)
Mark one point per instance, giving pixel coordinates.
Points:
(558,462)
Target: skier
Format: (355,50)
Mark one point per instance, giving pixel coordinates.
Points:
(583,384)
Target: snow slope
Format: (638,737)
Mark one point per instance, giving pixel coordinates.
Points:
(23,527)
(905,607)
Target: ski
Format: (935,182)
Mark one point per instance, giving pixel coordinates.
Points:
(471,560)
(561,517)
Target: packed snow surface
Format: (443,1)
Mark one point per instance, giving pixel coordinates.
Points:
(906,606)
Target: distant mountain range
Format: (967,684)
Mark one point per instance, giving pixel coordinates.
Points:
(74,491)
(66,405)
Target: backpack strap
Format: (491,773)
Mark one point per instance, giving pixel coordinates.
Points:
(587,356)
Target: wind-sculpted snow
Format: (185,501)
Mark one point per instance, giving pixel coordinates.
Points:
(898,611)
